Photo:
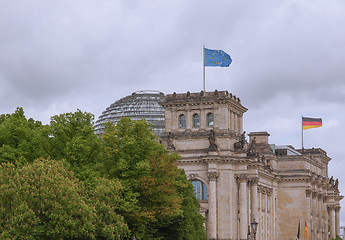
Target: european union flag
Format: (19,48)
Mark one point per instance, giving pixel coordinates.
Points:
(217,58)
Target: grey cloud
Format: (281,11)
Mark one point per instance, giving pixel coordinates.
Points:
(288,57)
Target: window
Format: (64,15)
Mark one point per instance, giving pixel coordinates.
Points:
(196,122)
(209,119)
(200,190)
(182,121)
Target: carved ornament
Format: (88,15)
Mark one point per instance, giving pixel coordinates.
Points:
(269,191)
(241,178)
(308,192)
(314,194)
(264,190)
(193,176)
(330,207)
(337,208)
(253,180)
(212,176)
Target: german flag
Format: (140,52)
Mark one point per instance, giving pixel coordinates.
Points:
(306,231)
(311,122)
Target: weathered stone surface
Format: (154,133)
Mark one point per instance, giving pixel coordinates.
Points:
(279,183)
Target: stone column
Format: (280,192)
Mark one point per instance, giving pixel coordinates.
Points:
(331,221)
(203,119)
(325,218)
(309,209)
(314,218)
(232,123)
(242,179)
(337,220)
(235,122)
(254,197)
(319,216)
(241,123)
(269,213)
(212,205)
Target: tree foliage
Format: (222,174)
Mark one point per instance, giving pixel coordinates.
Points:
(43,200)
(337,238)
(21,140)
(98,184)
(73,139)
(165,197)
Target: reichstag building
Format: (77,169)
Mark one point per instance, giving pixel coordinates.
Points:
(239,182)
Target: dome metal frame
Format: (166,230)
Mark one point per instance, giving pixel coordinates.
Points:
(144,104)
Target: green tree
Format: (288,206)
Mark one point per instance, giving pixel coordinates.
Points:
(22,140)
(188,225)
(43,200)
(142,184)
(166,204)
(73,139)
(337,238)
(106,197)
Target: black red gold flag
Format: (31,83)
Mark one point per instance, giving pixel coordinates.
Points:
(308,122)
(306,231)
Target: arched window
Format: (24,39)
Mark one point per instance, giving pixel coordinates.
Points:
(209,119)
(196,122)
(200,190)
(182,121)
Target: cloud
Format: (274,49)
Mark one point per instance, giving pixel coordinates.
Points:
(288,57)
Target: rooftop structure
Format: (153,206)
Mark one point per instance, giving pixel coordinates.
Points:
(139,105)
(240,182)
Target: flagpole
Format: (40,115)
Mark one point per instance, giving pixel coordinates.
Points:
(203,53)
(302,131)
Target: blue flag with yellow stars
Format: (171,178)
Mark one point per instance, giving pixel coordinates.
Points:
(217,58)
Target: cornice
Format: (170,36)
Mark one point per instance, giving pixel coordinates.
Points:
(217,158)
(293,178)
(199,133)
(267,174)
(203,98)
(301,158)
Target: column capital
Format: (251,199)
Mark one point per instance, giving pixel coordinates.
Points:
(253,181)
(269,191)
(337,208)
(264,190)
(330,207)
(212,176)
(308,192)
(314,194)
(241,178)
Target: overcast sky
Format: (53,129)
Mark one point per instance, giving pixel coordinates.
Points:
(288,60)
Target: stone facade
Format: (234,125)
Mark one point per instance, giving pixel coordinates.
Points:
(278,186)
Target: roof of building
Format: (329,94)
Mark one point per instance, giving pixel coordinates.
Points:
(139,105)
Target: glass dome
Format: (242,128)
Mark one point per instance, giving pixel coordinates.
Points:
(139,105)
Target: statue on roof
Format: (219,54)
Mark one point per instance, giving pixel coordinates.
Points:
(170,142)
(252,148)
(212,139)
(331,181)
(336,184)
(241,143)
